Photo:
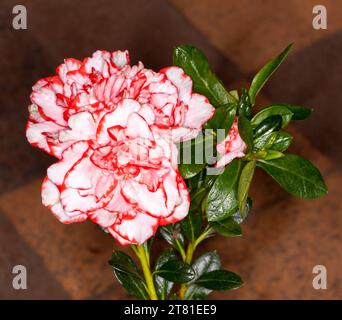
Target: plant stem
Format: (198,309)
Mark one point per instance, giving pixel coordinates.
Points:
(143,256)
(188,258)
(189,254)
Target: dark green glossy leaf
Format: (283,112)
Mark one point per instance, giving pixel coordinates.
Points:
(173,235)
(282,141)
(299,112)
(265,73)
(195,292)
(209,261)
(221,201)
(272,110)
(195,64)
(296,175)
(270,124)
(244,105)
(246,131)
(220,280)
(163,286)
(244,184)
(128,274)
(192,225)
(265,141)
(240,217)
(222,120)
(193,154)
(227,227)
(198,195)
(176,271)
(190,170)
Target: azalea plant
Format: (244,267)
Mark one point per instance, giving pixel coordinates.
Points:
(172,153)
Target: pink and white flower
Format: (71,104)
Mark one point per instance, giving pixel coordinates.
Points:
(113,127)
(232,147)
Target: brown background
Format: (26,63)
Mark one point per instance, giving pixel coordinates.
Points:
(283,238)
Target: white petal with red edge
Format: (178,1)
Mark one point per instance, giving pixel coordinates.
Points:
(199,111)
(229,157)
(36,133)
(61,215)
(137,127)
(181,80)
(82,126)
(73,201)
(118,117)
(120,239)
(50,193)
(137,230)
(83,175)
(184,134)
(46,99)
(152,202)
(120,58)
(182,210)
(171,190)
(103,217)
(69,64)
(118,203)
(98,62)
(56,173)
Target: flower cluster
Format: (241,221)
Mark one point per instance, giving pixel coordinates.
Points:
(113,127)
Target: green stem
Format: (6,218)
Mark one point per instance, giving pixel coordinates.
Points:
(205,233)
(188,258)
(189,254)
(143,256)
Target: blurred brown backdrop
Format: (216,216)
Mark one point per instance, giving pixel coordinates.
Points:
(283,238)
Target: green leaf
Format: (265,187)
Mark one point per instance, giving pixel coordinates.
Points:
(198,193)
(173,236)
(265,140)
(235,94)
(195,292)
(270,124)
(244,184)
(273,154)
(221,201)
(209,261)
(296,175)
(272,110)
(190,170)
(240,217)
(128,274)
(227,227)
(223,119)
(163,286)
(176,271)
(299,112)
(193,154)
(220,280)
(282,141)
(246,131)
(244,105)
(265,73)
(192,225)
(195,64)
